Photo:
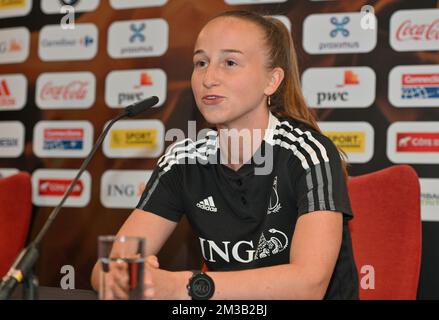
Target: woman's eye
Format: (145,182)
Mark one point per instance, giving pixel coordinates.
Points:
(231,63)
(200,63)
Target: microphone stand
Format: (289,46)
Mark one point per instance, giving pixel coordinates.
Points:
(21,269)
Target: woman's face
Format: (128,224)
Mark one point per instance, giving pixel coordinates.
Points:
(230,78)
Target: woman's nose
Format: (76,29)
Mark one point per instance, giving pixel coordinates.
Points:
(210,78)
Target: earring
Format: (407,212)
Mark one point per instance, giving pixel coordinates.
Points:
(269,101)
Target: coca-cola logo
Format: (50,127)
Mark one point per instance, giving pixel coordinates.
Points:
(57,187)
(74,90)
(409,30)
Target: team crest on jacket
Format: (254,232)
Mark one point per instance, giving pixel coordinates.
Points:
(274,205)
(271,246)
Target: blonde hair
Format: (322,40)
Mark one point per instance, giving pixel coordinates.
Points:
(288,100)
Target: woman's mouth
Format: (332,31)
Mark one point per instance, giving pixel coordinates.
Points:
(212,99)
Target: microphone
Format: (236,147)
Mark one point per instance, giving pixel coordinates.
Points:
(21,269)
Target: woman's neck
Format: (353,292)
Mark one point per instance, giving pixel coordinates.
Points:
(240,139)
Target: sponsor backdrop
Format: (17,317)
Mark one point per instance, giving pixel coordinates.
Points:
(373,86)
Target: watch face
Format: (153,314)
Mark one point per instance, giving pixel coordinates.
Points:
(202,287)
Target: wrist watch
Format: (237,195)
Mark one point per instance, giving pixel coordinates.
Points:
(200,286)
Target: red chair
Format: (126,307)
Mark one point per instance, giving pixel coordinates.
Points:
(386,232)
(15,216)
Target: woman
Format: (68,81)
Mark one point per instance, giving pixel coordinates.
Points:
(277,226)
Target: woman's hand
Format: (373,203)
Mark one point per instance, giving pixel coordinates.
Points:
(161,284)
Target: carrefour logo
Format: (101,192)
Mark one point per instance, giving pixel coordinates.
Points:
(57,44)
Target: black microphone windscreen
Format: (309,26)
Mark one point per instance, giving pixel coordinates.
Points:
(134,109)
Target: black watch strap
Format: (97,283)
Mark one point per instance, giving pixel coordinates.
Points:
(200,286)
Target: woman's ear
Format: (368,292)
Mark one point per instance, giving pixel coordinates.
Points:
(275,79)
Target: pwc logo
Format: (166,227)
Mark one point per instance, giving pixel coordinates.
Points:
(63,139)
(13,92)
(339,87)
(11,139)
(54,7)
(123,188)
(49,186)
(123,88)
(68,90)
(138,38)
(429,199)
(135,139)
(337,33)
(356,139)
(58,44)
(14,45)
(415,30)
(15,8)
(123,4)
(413,142)
(412,86)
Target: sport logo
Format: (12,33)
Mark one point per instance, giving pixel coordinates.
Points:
(133,138)
(58,187)
(14,8)
(420,86)
(63,139)
(417,142)
(348,141)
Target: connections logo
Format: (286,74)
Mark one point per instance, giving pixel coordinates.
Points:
(412,86)
(68,139)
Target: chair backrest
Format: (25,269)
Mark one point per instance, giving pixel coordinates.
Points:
(15,216)
(386,232)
